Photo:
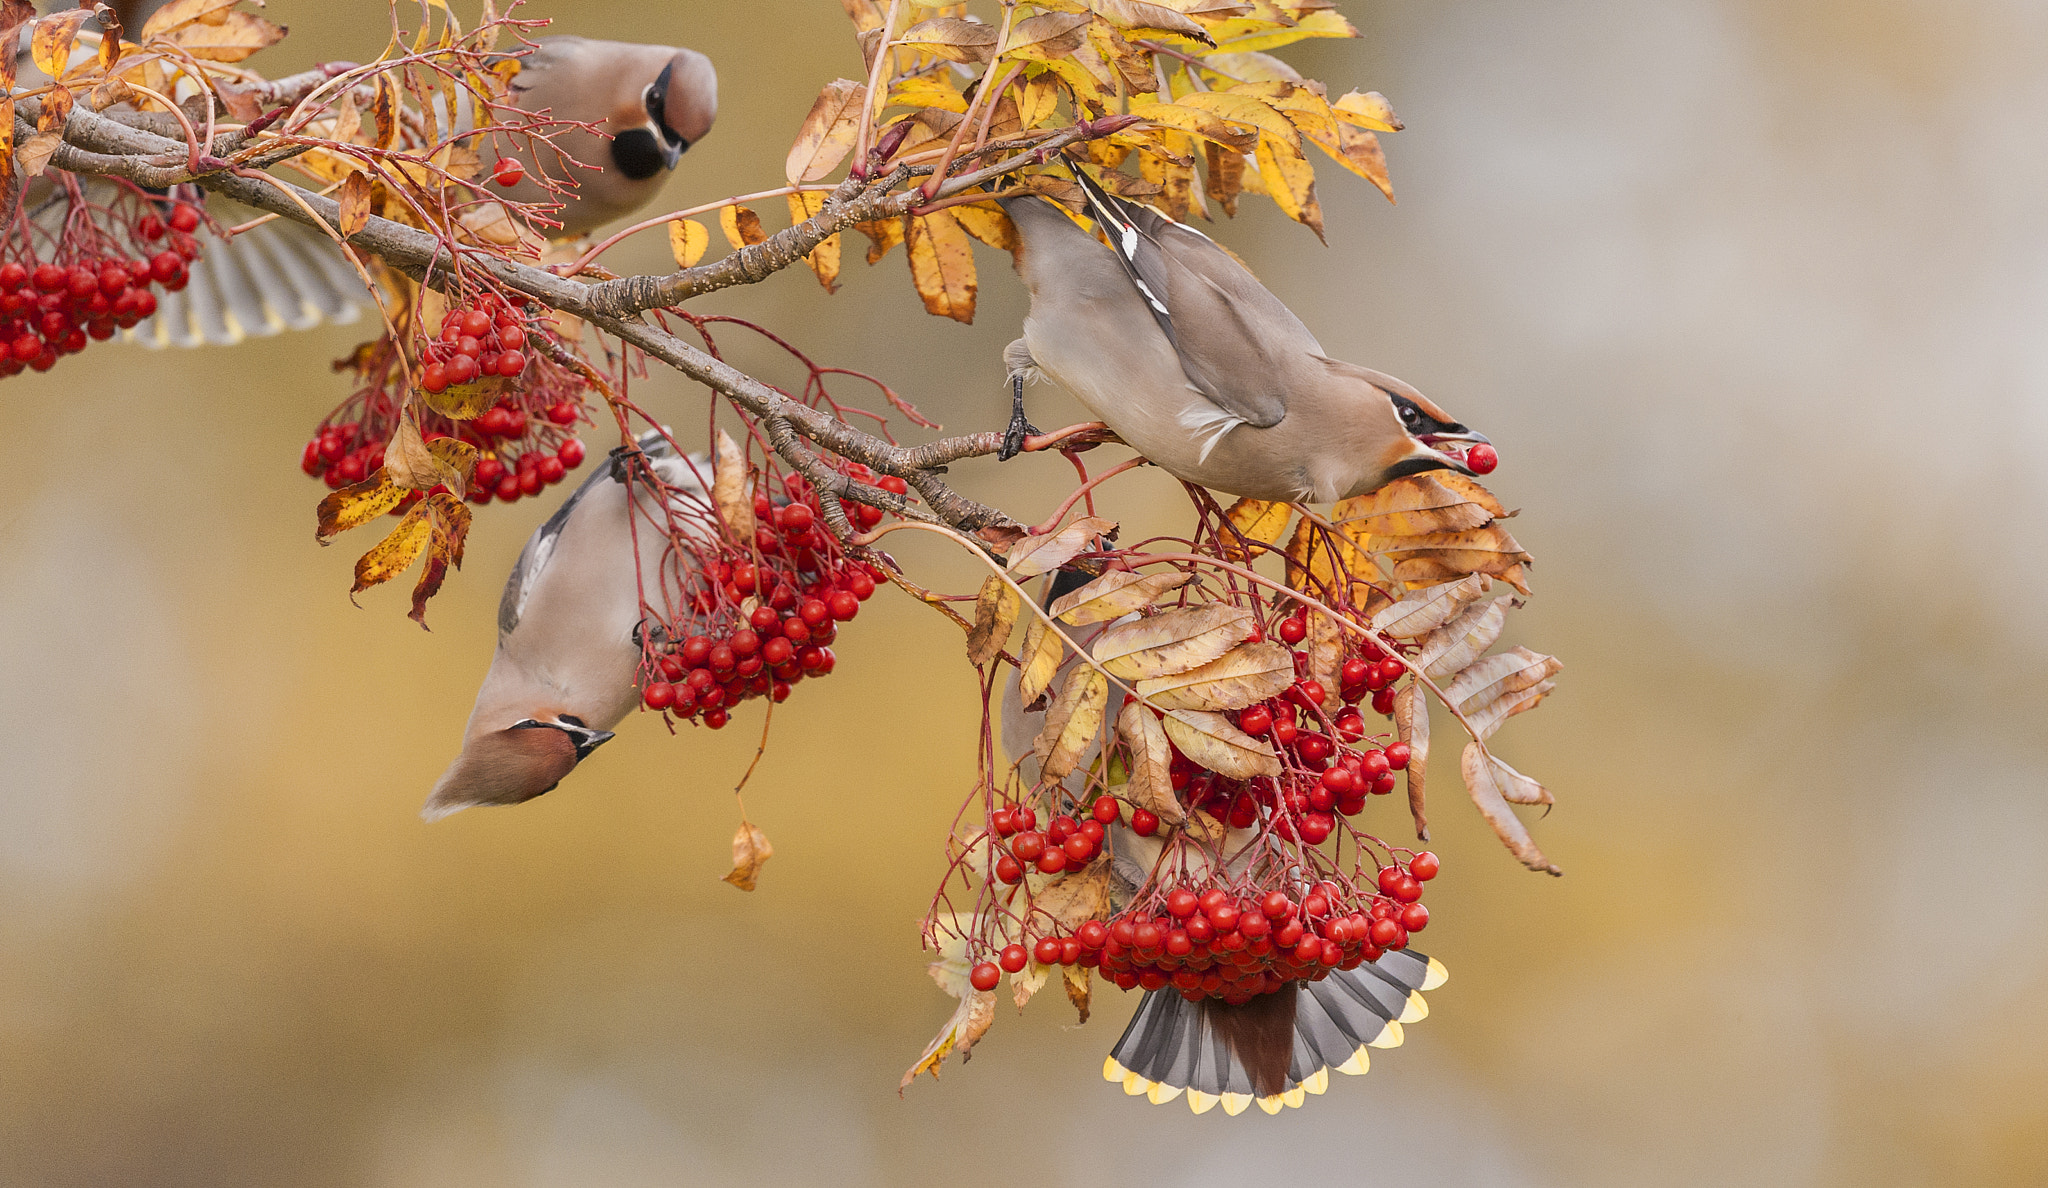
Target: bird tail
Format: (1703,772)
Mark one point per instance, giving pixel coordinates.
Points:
(1277,1048)
(276,277)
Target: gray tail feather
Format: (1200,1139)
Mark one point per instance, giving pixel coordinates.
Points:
(1276,1048)
(277,277)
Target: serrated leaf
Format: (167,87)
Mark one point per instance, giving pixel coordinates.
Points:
(1488,717)
(1316,24)
(1071,722)
(1497,676)
(1259,520)
(1248,110)
(1047,37)
(742,226)
(955,39)
(1412,506)
(1411,726)
(942,265)
(1240,677)
(1150,785)
(687,241)
(827,133)
(1172,642)
(1483,782)
(1114,595)
(355,505)
(823,259)
(1214,741)
(1423,611)
(1451,648)
(995,616)
(732,489)
(1035,555)
(1206,124)
(1041,654)
(750,852)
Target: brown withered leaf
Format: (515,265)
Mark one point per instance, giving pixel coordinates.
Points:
(942,264)
(1426,569)
(1411,726)
(13,15)
(1415,505)
(1223,181)
(732,491)
(1028,981)
(1072,721)
(56,109)
(419,465)
(1488,550)
(1174,174)
(827,133)
(1114,595)
(1132,65)
(1469,487)
(995,616)
(1483,782)
(1290,181)
(1326,645)
(232,40)
(355,505)
(750,852)
(33,155)
(1172,642)
(1047,36)
(687,241)
(1246,674)
(956,39)
(355,204)
(449,517)
(1488,717)
(1497,676)
(1214,741)
(969,1023)
(1040,654)
(1076,979)
(1452,648)
(988,224)
(823,259)
(1149,20)
(1427,609)
(1516,788)
(935,601)
(1150,785)
(1360,152)
(184,12)
(1367,109)
(1076,897)
(1042,554)
(49,45)
(742,226)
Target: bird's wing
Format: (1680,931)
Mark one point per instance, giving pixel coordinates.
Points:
(1236,341)
(276,277)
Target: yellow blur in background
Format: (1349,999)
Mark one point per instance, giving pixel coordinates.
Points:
(1749,294)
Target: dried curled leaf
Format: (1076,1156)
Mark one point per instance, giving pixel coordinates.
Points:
(355,505)
(1498,676)
(1071,722)
(231,40)
(1150,785)
(750,852)
(956,39)
(1452,648)
(1114,595)
(1482,779)
(1367,109)
(1042,554)
(1040,654)
(827,133)
(1214,741)
(731,491)
(1411,724)
(50,43)
(396,552)
(1413,505)
(1076,897)
(1173,642)
(969,1023)
(741,225)
(1076,979)
(1488,718)
(354,198)
(1425,610)
(995,616)
(1047,36)
(1246,674)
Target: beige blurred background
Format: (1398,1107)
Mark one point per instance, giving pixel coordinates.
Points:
(1749,293)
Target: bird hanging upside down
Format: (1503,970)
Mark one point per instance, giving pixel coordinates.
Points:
(1166,339)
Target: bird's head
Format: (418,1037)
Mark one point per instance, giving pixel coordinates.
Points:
(513,764)
(1410,433)
(675,111)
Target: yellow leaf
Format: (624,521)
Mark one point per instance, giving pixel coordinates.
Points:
(183,12)
(942,265)
(49,46)
(1251,67)
(952,38)
(1047,36)
(355,204)
(1072,721)
(466,402)
(1244,675)
(995,617)
(355,505)
(56,110)
(1316,24)
(1483,782)
(1195,121)
(927,90)
(1150,786)
(1290,181)
(1326,563)
(988,224)
(1075,978)
(742,226)
(1149,20)
(969,1023)
(1244,109)
(1041,654)
(750,852)
(1225,179)
(883,235)
(1042,554)
(1411,726)
(1259,521)
(1038,100)
(395,553)
(1416,505)
(448,523)
(732,490)
(1114,595)
(1360,152)
(232,40)
(823,259)
(1367,109)
(1172,642)
(687,241)
(827,133)
(1213,741)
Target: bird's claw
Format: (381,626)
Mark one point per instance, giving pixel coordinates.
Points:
(1013,438)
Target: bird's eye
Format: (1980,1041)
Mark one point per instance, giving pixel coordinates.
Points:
(1410,415)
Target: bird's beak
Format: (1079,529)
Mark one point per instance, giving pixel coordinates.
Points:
(589,741)
(671,150)
(1453,446)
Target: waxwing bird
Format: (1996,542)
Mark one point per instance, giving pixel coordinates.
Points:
(1168,340)
(1273,1050)
(567,665)
(653,101)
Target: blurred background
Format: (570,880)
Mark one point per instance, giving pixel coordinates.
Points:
(1750,294)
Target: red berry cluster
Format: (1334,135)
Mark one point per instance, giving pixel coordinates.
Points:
(1063,843)
(525,442)
(780,607)
(50,308)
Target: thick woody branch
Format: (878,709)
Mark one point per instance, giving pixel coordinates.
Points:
(100,146)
